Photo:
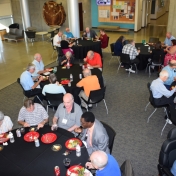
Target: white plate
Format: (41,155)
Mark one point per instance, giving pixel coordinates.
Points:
(146,45)
(46,73)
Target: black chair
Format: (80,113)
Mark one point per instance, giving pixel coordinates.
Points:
(14,25)
(125,59)
(112,53)
(153,40)
(24,92)
(30,35)
(54,100)
(111,133)
(95,97)
(127,169)
(167,154)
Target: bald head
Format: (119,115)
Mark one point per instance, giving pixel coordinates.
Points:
(87,29)
(168,35)
(86,72)
(67,29)
(68,101)
(99,159)
(60,34)
(38,57)
(90,54)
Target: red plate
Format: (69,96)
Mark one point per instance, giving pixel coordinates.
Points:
(66,81)
(72,148)
(66,65)
(3,138)
(73,169)
(31,136)
(48,138)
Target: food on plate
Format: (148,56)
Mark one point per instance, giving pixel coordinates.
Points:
(72,143)
(1,148)
(57,147)
(32,129)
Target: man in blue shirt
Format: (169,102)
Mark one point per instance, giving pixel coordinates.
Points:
(168,40)
(171,69)
(104,163)
(68,33)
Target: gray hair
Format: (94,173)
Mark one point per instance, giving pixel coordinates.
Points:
(64,37)
(163,74)
(87,72)
(97,161)
(1,116)
(30,65)
(68,53)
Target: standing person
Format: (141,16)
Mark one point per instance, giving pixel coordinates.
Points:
(68,33)
(89,33)
(104,38)
(56,42)
(168,39)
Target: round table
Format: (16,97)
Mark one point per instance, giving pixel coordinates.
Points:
(42,34)
(80,50)
(75,70)
(22,158)
(143,56)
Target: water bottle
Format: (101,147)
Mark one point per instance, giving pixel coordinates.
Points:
(12,140)
(78,150)
(77,42)
(149,49)
(71,77)
(37,143)
(68,65)
(18,132)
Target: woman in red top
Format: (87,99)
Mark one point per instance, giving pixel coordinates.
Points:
(104,39)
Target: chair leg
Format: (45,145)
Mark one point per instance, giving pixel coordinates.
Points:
(165,110)
(164,128)
(40,100)
(136,69)
(53,53)
(105,106)
(149,71)
(147,106)
(119,66)
(118,58)
(110,60)
(151,115)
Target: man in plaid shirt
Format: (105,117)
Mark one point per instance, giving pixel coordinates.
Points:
(133,52)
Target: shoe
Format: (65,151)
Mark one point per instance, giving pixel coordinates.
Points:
(168,121)
(126,69)
(89,105)
(132,71)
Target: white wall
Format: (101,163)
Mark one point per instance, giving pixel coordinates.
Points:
(138,15)
(5,8)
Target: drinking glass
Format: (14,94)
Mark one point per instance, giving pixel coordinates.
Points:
(67,162)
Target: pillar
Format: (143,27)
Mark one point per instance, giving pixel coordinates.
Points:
(73,17)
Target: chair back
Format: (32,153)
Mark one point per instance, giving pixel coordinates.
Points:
(97,95)
(111,133)
(18,81)
(158,58)
(112,48)
(153,40)
(125,58)
(14,25)
(54,99)
(30,34)
(126,169)
(172,114)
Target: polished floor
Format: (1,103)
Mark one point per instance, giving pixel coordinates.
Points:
(14,57)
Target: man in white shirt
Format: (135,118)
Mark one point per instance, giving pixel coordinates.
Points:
(56,42)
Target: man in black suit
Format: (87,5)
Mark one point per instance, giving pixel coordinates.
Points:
(89,33)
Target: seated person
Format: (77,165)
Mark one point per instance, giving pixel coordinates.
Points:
(89,34)
(160,93)
(105,164)
(32,114)
(119,45)
(5,123)
(65,45)
(168,39)
(68,33)
(68,114)
(89,83)
(67,58)
(31,88)
(170,68)
(173,169)
(54,87)
(93,60)
(39,66)
(104,39)
(97,136)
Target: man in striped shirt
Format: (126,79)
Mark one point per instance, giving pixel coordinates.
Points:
(32,114)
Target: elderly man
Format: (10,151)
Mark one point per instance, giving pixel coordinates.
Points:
(56,42)
(54,87)
(67,58)
(68,114)
(89,83)
(171,69)
(104,38)
(93,60)
(39,66)
(93,133)
(32,114)
(68,33)
(105,164)
(31,88)
(89,33)
(133,52)
(160,93)
(5,123)
(168,39)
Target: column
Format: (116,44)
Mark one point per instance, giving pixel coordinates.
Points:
(25,14)
(73,17)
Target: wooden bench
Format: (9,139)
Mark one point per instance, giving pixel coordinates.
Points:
(112,28)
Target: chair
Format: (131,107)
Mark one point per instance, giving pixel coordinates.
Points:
(30,35)
(153,40)
(54,100)
(24,92)
(151,101)
(112,53)
(167,154)
(95,97)
(107,44)
(14,25)
(127,169)
(111,133)
(125,58)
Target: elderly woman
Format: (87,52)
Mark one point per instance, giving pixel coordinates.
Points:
(5,123)
(67,58)
(65,45)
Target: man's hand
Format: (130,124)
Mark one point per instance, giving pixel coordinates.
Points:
(78,130)
(26,125)
(58,42)
(139,51)
(40,125)
(89,165)
(85,60)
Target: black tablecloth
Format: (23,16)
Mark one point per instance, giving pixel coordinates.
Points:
(143,56)
(75,70)
(84,46)
(22,158)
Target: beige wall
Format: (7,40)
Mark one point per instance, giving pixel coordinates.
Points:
(171,27)
(36,8)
